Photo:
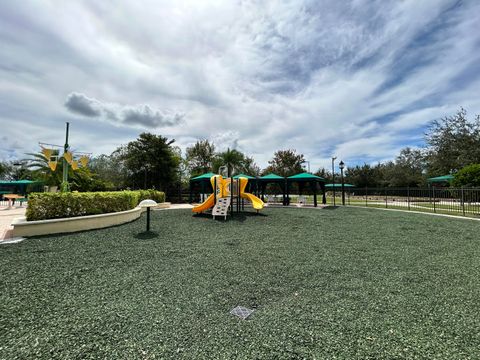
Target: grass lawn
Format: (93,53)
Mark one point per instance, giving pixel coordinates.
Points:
(326,284)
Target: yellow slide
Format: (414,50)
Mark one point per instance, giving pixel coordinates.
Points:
(210,202)
(256,202)
(207,204)
(222,189)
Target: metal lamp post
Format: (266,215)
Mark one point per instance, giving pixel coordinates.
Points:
(148,204)
(333,178)
(341,165)
(308,163)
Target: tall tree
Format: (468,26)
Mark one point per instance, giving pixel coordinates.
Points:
(407,170)
(326,174)
(286,163)
(150,161)
(110,169)
(365,175)
(5,170)
(452,143)
(200,157)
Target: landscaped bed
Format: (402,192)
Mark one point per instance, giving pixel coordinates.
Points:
(345,283)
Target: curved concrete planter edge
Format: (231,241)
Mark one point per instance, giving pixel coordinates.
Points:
(24,228)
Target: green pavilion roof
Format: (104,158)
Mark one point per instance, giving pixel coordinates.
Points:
(306,176)
(205,176)
(336,185)
(244,176)
(17,182)
(272,176)
(444,178)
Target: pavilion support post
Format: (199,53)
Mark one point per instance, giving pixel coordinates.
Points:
(190,196)
(314,193)
(288,193)
(324,195)
(284,188)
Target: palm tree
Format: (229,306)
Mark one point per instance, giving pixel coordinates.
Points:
(41,169)
(232,159)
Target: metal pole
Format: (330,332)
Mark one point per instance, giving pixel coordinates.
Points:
(65,187)
(408,197)
(145,178)
(333,178)
(463,202)
(366,195)
(215,190)
(238,195)
(343,189)
(386,198)
(231,196)
(190,194)
(433,194)
(148,218)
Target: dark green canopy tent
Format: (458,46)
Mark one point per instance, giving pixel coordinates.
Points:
(338,186)
(204,182)
(244,176)
(202,177)
(441,179)
(271,178)
(311,179)
(18,186)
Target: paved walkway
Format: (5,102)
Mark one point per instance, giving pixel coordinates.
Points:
(178,206)
(6,218)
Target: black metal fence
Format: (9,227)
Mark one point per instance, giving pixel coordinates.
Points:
(454,201)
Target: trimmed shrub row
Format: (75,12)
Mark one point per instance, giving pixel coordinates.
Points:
(42,206)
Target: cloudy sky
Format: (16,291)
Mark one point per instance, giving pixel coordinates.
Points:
(355,79)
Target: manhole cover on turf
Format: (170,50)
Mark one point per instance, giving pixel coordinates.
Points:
(241,312)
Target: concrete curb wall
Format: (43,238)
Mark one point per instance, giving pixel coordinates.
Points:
(416,212)
(24,228)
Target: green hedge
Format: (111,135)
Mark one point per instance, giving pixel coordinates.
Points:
(42,206)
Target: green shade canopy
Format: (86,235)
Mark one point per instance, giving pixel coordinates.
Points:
(444,178)
(305,177)
(338,185)
(17,182)
(272,176)
(244,176)
(205,176)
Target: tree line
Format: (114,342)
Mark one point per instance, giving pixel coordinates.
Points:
(452,145)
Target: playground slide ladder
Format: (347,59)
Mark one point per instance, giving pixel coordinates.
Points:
(221,207)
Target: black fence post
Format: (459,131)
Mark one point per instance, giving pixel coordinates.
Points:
(386,198)
(433,195)
(366,196)
(463,202)
(408,197)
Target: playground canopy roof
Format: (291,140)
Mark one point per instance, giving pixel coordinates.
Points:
(444,178)
(271,177)
(244,176)
(305,177)
(205,176)
(17,182)
(331,186)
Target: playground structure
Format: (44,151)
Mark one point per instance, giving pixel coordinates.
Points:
(228,195)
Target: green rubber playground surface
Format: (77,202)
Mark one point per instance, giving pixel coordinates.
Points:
(325,284)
